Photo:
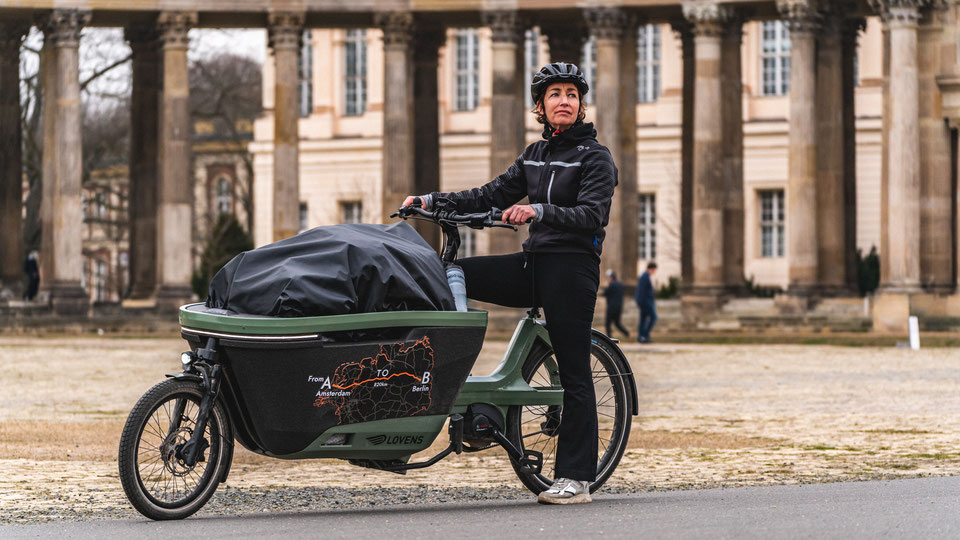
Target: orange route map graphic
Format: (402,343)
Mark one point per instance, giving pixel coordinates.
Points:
(394,383)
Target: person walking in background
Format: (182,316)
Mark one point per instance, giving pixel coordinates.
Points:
(32,269)
(645,301)
(613,292)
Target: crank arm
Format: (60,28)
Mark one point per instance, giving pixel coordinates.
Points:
(531,461)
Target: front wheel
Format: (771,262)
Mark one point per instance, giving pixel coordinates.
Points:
(535,427)
(157,482)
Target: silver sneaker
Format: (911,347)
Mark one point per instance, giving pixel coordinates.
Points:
(566,491)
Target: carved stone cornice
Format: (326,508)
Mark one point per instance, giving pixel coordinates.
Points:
(607,22)
(801,16)
(11,37)
(62,26)
(173,28)
(901,12)
(707,17)
(285,29)
(506,25)
(397,27)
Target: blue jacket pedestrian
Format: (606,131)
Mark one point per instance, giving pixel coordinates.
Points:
(644,296)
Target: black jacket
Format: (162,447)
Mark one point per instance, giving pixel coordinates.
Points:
(571,175)
(614,295)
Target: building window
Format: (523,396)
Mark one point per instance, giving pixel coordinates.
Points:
(351,212)
(588,65)
(303,216)
(775,57)
(648,227)
(224,199)
(100,280)
(97,208)
(648,63)
(467,81)
(531,48)
(305,71)
(468,242)
(355,64)
(771,223)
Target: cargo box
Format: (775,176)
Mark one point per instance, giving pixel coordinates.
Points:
(292,379)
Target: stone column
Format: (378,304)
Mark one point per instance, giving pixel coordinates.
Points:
(849,36)
(614,112)
(426,121)
(142,206)
(802,228)
(936,189)
(175,189)
(900,254)
(285,35)
(63,219)
(684,31)
(709,199)
(398,146)
(731,81)
(11,165)
(507,115)
(830,154)
(628,177)
(565,39)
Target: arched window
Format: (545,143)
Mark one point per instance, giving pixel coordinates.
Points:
(224,195)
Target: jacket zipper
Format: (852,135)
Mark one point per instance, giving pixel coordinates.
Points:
(546,165)
(550,186)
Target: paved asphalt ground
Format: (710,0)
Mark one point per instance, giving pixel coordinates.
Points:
(917,508)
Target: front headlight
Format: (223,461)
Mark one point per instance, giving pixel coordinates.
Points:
(186,360)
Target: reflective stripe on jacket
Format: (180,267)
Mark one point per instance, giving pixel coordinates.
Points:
(571,175)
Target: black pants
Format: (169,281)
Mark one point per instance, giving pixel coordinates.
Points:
(565,286)
(613,318)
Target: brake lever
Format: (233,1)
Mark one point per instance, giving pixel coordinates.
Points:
(505,226)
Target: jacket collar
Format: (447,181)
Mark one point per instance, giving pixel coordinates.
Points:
(576,134)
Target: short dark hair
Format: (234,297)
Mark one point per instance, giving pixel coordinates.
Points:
(651,265)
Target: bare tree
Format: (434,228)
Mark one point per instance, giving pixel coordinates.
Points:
(104,85)
(226,89)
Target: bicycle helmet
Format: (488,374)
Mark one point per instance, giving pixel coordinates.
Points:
(557,72)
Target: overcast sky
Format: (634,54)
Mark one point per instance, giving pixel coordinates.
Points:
(101,47)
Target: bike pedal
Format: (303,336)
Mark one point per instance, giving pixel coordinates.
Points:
(531,462)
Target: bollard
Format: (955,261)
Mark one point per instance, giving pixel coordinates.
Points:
(914,327)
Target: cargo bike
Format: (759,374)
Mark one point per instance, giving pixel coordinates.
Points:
(370,388)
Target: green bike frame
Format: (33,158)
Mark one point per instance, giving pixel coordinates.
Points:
(505,386)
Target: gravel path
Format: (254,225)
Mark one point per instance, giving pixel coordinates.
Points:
(711,416)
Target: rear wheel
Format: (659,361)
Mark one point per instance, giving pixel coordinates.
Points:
(535,427)
(156,480)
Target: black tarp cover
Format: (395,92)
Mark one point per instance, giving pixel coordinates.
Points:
(335,270)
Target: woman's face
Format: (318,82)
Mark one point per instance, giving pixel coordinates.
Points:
(561,104)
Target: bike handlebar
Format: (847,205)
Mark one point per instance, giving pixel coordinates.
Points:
(477,220)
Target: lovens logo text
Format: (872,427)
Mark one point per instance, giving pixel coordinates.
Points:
(395,439)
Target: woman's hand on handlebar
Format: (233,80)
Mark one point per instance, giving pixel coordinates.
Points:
(519,214)
(412,200)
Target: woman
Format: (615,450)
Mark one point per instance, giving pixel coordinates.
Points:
(569,179)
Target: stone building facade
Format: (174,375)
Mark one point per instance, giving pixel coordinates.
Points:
(221,184)
(919,94)
(341,131)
